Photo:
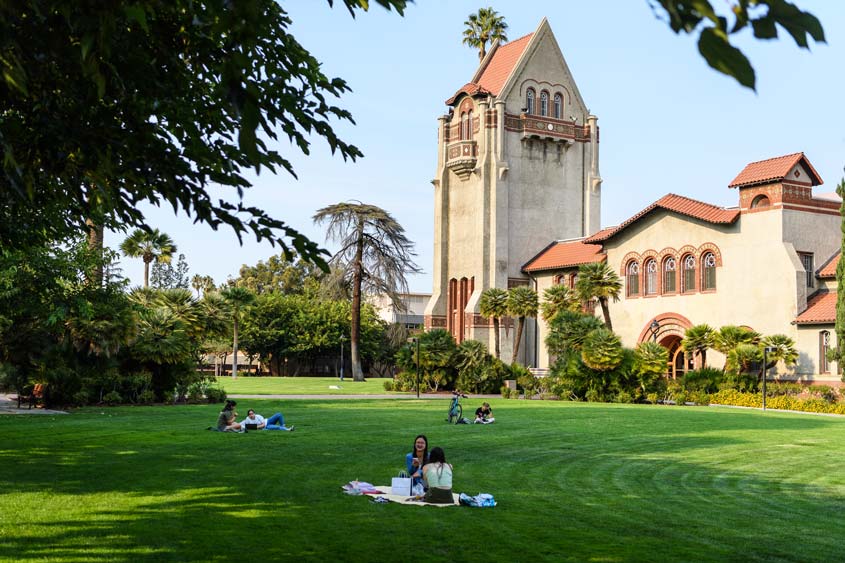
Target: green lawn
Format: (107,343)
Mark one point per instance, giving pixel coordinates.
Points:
(301,386)
(577,482)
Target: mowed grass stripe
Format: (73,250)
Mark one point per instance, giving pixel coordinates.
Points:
(574,482)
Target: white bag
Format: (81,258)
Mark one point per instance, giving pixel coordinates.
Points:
(401,486)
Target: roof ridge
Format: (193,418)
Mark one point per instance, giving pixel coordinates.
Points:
(691,199)
(776,157)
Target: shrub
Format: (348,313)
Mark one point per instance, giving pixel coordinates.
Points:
(704,379)
(653,398)
(112,398)
(196,394)
(680,398)
(505,391)
(81,398)
(624,397)
(824,392)
(215,394)
(388,385)
(146,398)
(701,398)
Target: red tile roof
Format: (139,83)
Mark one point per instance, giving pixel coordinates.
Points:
(821,309)
(678,204)
(497,70)
(828,269)
(772,170)
(565,255)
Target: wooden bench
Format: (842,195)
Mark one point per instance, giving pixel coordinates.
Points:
(37,393)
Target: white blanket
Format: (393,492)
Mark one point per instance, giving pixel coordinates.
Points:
(402,499)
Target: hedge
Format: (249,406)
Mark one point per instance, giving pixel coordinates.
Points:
(782,402)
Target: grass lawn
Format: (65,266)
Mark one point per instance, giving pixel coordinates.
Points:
(301,386)
(574,482)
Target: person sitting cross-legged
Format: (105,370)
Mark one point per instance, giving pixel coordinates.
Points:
(484,414)
(275,422)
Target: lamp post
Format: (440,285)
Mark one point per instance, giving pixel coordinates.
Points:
(416,342)
(654,326)
(767,350)
(342,340)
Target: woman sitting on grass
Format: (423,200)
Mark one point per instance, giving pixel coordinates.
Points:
(438,475)
(418,457)
(226,419)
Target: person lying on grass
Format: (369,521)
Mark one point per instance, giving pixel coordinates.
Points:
(275,422)
(438,475)
(226,420)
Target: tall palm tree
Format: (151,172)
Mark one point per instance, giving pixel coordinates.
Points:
(597,280)
(556,299)
(522,303)
(697,340)
(238,298)
(731,336)
(493,304)
(784,349)
(149,246)
(196,283)
(375,255)
(484,28)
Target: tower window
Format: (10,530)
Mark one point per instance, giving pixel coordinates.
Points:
(807,261)
(544,103)
(558,106)
(529,101)
(760,201)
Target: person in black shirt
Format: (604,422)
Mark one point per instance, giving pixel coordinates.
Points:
(484,414)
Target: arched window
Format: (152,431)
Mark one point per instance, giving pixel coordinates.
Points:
(669,275)
(688,279)
(529,101)
(708,271)
(544,103)
(463,126)
(824,347)
(651,277)
(558,106)
(632,275)
(760,201)
(573,279)
(469,124)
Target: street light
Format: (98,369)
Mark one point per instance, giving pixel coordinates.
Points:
(342,340)
(766,350)
(655,326)
(416,341)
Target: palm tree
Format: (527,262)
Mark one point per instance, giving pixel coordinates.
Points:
(784,349)
(197,284)
(493,304)
(597,280)
(522,303)
(556,299)
(697,340)
(149,245)
(731,336)
(602,350)
(484,28)
(237,297)
(375,256)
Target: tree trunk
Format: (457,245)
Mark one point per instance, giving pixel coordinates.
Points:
(606,312)
(147,273)
(95,246)
(355,313)
(496,330)
(235,349)
(518,339)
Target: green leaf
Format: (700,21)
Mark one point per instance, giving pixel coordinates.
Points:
(724,57)
(137,13)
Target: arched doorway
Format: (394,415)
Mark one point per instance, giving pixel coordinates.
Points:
(668,330)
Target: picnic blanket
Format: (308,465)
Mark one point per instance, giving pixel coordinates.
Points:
(402,499)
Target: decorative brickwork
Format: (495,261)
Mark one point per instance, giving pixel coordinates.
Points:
(547,127)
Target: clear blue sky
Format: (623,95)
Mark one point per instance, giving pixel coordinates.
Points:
(668,122)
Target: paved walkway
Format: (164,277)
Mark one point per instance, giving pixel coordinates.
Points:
(10,406)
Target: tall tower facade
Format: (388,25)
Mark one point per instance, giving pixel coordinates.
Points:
(517,166)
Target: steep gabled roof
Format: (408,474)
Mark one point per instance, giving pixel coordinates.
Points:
(772,170)
(565,254)
(677,204)
(828,269)
(821,309)
(494,69)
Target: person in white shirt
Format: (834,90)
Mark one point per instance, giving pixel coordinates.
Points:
(275,422)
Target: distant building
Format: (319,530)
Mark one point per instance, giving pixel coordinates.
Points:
(410,315)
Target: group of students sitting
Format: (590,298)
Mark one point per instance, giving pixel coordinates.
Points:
(227,420)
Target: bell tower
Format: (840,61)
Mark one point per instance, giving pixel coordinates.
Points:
(517,167)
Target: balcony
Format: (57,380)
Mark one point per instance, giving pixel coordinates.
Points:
(461,157)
